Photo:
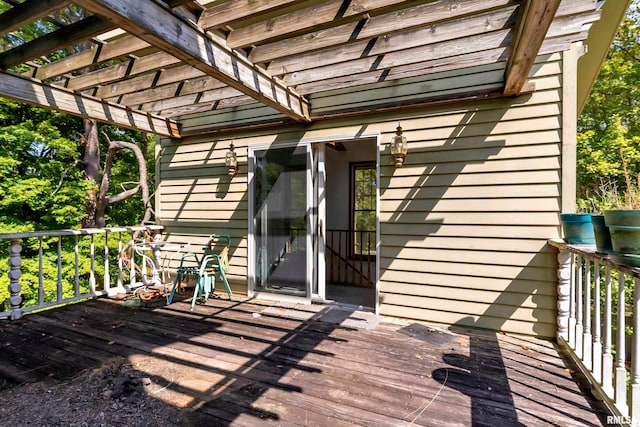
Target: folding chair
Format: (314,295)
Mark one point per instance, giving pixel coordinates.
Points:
(214,262)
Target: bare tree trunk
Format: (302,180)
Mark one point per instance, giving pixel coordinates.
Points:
(104,200)
(92,169)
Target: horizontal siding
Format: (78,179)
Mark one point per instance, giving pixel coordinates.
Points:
(463,224)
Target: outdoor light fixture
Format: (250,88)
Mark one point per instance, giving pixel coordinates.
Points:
(231,161)
(399,147)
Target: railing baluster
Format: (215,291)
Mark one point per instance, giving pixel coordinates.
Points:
(120,283)
(92,274)
(76,267)
(132,263)
(587,341)
(635,356)
(597,340)
(59,282)
(607,357)
(579,326)
(40,275)
(572,304)
(340,252)
(107,276)
(621,370)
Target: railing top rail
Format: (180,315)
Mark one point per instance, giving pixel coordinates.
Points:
(79,232)
(589,252)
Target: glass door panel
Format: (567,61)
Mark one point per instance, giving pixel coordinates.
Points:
(280,212)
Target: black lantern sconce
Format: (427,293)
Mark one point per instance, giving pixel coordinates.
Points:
(399,147)
(231,161)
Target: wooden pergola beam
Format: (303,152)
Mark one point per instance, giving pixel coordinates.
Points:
(532,26)
(97,54)
(158,26)
(34,92)
(27,12)
(63,37)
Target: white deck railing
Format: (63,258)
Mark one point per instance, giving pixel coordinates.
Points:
(599,324)
(71,265)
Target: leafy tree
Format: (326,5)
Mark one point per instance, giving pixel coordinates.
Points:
(609,127)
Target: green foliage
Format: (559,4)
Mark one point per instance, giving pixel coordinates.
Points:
(34,154)
(609,127)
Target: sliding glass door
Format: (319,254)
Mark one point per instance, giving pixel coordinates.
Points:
(281,213)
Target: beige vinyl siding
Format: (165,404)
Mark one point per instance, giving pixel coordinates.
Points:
(463,224)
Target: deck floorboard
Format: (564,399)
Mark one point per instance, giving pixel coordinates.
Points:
(247,362)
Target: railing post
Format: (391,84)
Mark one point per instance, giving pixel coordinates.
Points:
(635,356)
(564,291)
(15,299)
(572,304)
(620,379)
(607,357)
(597,323)
(587,343)
(579,309)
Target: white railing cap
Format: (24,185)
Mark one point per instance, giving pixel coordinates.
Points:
(79,232)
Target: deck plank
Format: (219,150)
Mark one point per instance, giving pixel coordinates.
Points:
(244,362)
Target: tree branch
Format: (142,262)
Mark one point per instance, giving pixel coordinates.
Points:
(63,176)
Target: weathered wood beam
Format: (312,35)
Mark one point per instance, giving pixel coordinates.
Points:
(439,65)
(27,12)
(210,106)
(320,13)
(381,25)
(97,54)
(443,32)
(225,13)
(156,25)
(300,68)
(180,88)
(130,68)
(533,23)
(34,92)
(55,40)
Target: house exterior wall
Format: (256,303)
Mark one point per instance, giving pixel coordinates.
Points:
(463,224)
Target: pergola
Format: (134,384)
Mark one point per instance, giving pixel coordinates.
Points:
(146,63)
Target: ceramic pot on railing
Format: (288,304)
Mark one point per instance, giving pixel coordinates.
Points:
(577,228)
(602,234)
(624,225)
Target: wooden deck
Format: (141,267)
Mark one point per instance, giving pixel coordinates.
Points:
(253,363)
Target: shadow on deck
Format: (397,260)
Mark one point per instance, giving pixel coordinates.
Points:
(248,362)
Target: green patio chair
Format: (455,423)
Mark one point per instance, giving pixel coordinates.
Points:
(214,263)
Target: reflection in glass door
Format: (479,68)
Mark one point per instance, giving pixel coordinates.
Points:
(280,214)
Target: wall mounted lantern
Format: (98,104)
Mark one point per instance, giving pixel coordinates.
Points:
(231,161)
(399,147)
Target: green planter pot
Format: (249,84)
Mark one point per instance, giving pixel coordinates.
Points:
(624,226)
(577,228)
(602,234)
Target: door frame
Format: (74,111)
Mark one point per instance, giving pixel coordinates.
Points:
(314,274)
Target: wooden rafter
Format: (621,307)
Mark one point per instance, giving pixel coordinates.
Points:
(32,91)
(159,27)
(533,23)
(130,68)
(61,38)
(96,55)
(226,13)
(317,14)
(382,25)
(29,11)
(331,63)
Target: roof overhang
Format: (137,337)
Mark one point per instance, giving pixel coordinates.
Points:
(143,65)
(600,37)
